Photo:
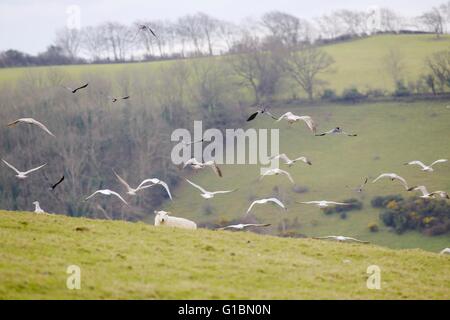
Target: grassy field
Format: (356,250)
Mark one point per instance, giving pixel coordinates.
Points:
(389,134)
(359,63)
(121,260)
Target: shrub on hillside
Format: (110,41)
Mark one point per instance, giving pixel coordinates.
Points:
(428,216)
(382,201)
(352,95)
(328,94)
(375,93)
(401,90)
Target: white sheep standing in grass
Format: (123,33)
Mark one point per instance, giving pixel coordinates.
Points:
(162,218)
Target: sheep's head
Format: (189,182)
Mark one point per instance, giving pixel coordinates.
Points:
(161,217)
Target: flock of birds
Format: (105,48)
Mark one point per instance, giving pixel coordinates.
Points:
(312,126)
(197,165)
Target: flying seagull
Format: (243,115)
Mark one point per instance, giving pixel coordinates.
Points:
(23,174)
(445,251)
(208,194)
(37,208)
(107,192)
(263,201)
(291,118)
(156,181)
(76,89)
(337,130)
(242,226)
(290,162)
(194,164)
(360,188)
(144,28)
(341,239)
(393,177)
(428,195)
(424,167)
(56,184)
(114,99)
(277,171)
(30,121)
(143,185)
(324,203)
(261,111)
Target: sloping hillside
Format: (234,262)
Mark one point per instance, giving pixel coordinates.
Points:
(135,260)
(389,134)
(359,63)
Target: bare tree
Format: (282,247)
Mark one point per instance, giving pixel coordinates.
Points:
(438,65)
(305,65)
(255,68)
(94,42)
(289,29)
(228,33)
(208,26)
(190,29)
(390,21)
(354,22)
(330,26)
(69,40)
(433,20)
(164,39)
(394,64)
(118,39)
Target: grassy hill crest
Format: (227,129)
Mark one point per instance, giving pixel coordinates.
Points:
(134,260)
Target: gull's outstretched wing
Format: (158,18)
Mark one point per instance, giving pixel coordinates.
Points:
(310,123)
(356,240)
(35,169)
(304,159)
(127,186)
(252,116)
(438,161)
(278,202)
(262,201)
(417,162)
(339,203)
(225,191)
(11,166)
(422,189)
(81,87)
(31,121)
(284,116)
(118,196)
(87,198)
(216,169)
(282,156)
(383,175)
(57,183)
(197,186)
(288,175)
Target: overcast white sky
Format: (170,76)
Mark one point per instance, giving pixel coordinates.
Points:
(30,25)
